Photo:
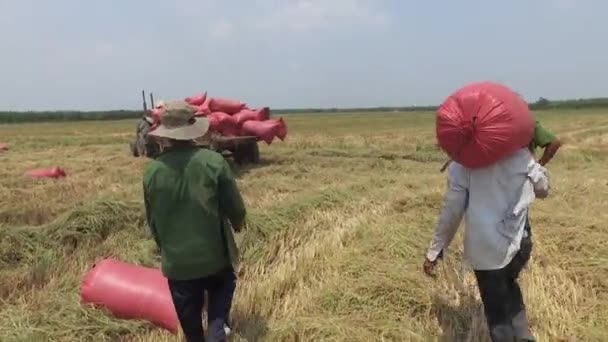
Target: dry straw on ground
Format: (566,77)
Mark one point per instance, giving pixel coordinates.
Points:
(340,217)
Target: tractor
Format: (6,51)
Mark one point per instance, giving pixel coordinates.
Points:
(242,149)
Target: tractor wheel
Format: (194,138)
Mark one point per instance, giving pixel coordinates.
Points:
(134,151)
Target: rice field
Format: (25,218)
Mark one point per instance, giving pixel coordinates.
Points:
(340,216)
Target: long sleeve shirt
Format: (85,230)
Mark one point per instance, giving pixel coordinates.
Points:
(494,201)
(189,194)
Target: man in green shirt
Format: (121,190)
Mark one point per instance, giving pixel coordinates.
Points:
(544,139)
(192,204)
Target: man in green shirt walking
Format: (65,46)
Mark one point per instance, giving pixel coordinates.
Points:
(192,205)
(544,139)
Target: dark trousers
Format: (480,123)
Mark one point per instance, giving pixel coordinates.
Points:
(188,298)
(502,298)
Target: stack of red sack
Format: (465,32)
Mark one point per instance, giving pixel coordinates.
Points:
(233,118)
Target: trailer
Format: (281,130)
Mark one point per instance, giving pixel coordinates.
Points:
(242,149)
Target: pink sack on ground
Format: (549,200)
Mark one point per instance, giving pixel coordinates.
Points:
(266,130)
(54,172)
(130,292)
(225,105)
(197,100)
(249,115)
(482,123)
(3,147)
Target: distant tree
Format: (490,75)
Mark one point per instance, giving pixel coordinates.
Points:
(542,102)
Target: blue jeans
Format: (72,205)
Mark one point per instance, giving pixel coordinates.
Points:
(188,298)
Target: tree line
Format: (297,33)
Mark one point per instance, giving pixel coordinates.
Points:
(50,116)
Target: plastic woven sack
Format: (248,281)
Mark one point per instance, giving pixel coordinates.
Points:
(130,292)
(482,123)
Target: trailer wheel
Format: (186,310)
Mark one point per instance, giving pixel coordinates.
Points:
(246,153)
(254,157)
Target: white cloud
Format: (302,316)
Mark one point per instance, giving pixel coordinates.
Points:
(565,5)
(221,29)
(306,15)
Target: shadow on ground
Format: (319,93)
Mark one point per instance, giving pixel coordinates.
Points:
(241,170)
(250,328)
(461,321)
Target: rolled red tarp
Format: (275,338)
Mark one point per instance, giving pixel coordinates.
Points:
(483,123)
(197,100)
(130,292)
(266,130)
(226,105)
(245,115)
(54,172)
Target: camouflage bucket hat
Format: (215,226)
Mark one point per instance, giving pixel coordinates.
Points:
(179,123)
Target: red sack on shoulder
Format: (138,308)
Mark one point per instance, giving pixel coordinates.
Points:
(225,105)
(483,123)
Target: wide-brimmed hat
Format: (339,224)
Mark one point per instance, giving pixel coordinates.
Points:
(179,123)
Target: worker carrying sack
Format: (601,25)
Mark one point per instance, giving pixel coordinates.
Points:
(482,123)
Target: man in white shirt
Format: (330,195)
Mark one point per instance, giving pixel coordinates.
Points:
(497,244)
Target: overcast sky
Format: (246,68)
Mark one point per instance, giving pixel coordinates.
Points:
(86,54)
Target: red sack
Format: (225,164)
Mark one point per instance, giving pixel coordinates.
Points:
(156,114)
(248,115)
(281,129)
(266,130)
(214,122)
(482,123)
(203,109)
(197,100)
(219,121)
(226,106)
(130,292)
(3,147)
(231,131)
(54,172)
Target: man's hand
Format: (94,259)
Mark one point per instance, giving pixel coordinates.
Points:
(550,152)
(239,227)
(429,267)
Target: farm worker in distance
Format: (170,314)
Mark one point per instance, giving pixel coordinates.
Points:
(192,201)
(497,244)
(544,139)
